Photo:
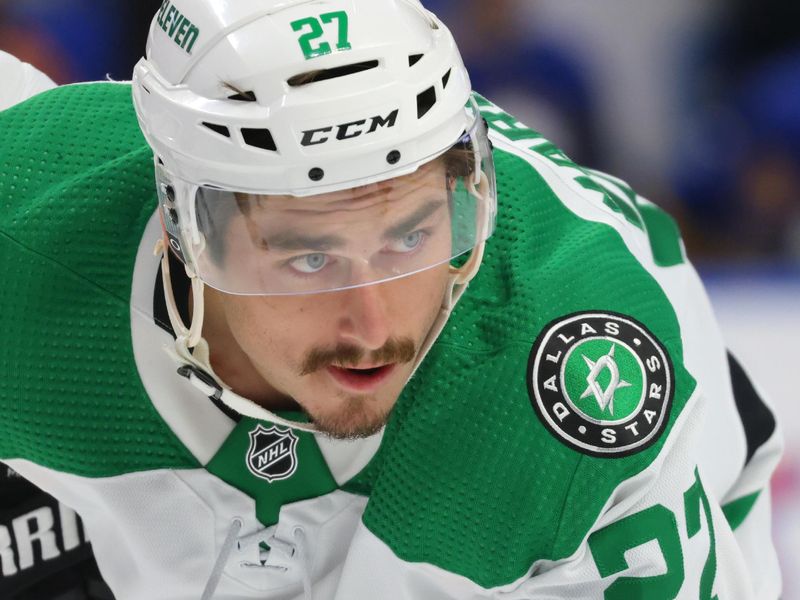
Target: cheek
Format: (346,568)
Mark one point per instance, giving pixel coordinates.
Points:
(252,322)
(271,326)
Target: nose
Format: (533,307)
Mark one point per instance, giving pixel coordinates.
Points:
(365,319)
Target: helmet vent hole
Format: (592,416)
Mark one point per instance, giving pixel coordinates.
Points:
(425,101)
(446,78)
(220,129)
(259,138)
(414,59)
(238,94)
(244,97)
(334,73)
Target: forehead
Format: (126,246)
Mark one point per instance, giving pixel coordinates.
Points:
(407,191)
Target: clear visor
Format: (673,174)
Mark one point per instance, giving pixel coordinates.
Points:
(252,244)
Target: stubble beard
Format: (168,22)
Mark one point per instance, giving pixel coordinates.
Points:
(357,416)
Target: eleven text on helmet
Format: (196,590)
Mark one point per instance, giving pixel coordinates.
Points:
(175,24)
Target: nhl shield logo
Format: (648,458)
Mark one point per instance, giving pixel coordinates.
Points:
(272,454)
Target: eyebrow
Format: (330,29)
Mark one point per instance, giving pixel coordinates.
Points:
(293,240)
(408,224)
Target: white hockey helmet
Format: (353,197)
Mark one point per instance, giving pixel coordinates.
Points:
(290,138)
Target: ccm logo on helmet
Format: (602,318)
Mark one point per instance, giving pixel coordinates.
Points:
(348,131)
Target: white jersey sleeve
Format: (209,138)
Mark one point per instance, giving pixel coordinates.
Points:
(20,81)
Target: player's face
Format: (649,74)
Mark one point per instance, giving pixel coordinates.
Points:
(343,356)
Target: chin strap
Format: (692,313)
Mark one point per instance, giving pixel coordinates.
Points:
(191,352)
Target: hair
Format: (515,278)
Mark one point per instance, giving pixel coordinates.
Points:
(459,160)
(238,94)
(305,78)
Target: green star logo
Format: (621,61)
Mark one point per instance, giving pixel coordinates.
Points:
(604,397)
(603,380)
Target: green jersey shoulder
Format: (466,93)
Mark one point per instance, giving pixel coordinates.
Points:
(77,191)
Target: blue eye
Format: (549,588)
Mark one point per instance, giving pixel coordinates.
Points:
(310,263)
(407,243)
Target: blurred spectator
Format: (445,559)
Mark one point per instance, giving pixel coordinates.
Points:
(538,79)
(30,41)
(760,30)
(77,40)
(741,174)
(769,183)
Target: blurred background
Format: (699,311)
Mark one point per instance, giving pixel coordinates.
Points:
(696,104)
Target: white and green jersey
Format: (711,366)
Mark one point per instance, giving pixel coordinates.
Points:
(577,430)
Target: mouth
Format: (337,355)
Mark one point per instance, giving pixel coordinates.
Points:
(360,379)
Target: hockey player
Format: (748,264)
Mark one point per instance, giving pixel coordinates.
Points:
(298,397)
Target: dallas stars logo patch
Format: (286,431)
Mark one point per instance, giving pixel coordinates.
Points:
(272,454)
(601,383)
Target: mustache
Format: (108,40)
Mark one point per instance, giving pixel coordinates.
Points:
(395,350)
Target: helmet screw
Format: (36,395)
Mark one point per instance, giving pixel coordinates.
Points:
(393,157)
(316,174)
